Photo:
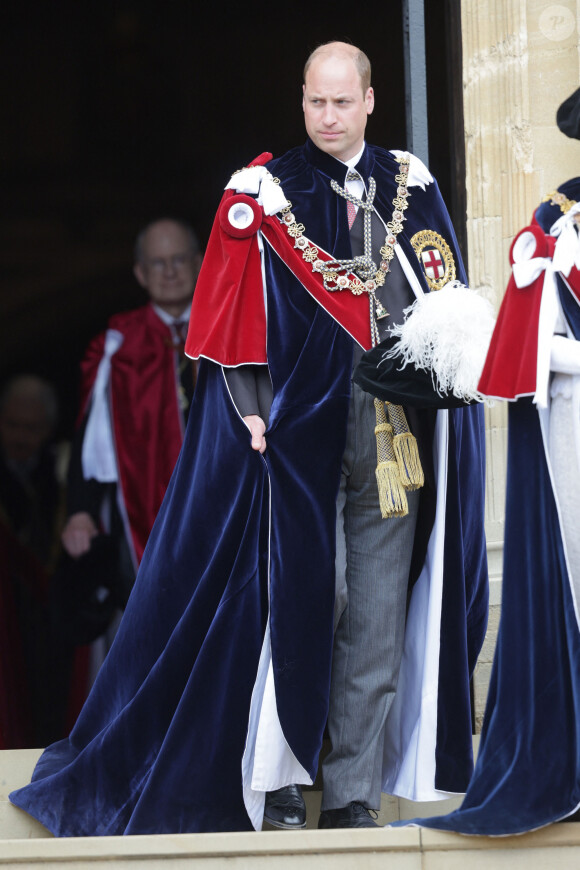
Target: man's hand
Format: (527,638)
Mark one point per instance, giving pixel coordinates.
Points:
(78,534)
(257,427)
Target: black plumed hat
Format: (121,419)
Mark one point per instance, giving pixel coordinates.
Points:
(568,116)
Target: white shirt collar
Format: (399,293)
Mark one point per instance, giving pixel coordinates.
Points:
(167,319)
(352,161)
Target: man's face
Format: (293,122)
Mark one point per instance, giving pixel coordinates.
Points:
(335,107)
(169,269)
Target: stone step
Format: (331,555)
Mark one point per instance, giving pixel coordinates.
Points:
(16,766)
(27,845)
(555,848)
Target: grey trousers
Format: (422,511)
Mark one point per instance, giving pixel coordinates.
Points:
(373,557)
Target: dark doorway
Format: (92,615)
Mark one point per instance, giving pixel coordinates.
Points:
(117,112)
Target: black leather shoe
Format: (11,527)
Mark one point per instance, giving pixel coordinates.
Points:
(285,807)
(355,815)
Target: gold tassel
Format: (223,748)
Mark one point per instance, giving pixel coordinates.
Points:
(406,449)
(392,496)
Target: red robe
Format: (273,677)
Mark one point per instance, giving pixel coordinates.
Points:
(147,419)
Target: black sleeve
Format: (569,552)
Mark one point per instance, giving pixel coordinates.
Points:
(251,390)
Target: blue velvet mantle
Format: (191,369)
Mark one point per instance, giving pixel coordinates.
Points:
(241,537)
(528,767)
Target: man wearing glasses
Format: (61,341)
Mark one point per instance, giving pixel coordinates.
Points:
(136,389)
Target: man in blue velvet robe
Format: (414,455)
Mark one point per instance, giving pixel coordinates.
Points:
(218,687)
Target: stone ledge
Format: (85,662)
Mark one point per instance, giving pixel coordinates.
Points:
(230,845)
(407,849)
(556,836)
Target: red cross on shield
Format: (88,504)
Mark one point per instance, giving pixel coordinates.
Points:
(433,264)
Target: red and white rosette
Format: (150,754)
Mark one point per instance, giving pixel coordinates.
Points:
(240,216)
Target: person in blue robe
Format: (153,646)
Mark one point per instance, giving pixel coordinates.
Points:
(527,773)
(217,689)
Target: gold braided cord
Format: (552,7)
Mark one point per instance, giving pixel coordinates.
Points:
(397,418)
(392,496)
(406,449)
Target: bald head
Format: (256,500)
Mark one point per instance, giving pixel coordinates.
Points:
(165,223)
(343,51)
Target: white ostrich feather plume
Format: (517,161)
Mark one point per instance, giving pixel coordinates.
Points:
(447,332)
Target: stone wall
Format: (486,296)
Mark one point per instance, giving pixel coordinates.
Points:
(520,61)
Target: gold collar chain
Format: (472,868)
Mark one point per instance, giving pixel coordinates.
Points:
(559,199)
(335,273)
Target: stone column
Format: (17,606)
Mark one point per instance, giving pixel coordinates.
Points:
(520,61)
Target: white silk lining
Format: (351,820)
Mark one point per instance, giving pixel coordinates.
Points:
(268,762)
(549,313)
(411,727)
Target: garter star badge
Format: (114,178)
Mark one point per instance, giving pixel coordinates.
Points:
(435,257)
